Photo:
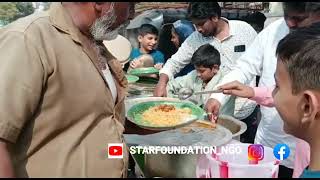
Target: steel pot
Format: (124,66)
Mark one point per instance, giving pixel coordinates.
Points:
(184,165)
(180,165)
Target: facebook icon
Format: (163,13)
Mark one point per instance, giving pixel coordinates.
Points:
(281,151)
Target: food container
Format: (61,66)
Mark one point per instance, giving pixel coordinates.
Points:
(237,165)
(236,126)
(184,165)
(181,165)
(190,113)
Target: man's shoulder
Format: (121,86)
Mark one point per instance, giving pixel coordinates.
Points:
(195,40)
(239,23)
(277,29)
(195,37)
(29,23)
(278,23)
(241,28)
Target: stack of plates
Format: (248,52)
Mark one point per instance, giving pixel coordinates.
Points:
(132,78)
(144,71)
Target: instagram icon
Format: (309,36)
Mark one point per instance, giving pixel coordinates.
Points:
(255,152)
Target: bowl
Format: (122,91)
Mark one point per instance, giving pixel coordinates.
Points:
(135,114)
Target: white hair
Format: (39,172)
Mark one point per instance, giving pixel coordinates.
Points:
(100,30)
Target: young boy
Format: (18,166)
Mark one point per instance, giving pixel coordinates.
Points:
(297,92)
(206,76)
(148,39)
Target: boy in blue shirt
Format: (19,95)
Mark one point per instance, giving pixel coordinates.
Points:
(148,39)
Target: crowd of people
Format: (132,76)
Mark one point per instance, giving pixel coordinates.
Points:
(62,95)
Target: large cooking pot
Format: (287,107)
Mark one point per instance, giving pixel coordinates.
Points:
(184,165)
(236,126)
(180,165)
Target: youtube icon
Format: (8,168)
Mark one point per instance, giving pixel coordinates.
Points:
(115,150)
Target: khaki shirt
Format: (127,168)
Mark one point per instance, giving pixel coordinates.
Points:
(55,106)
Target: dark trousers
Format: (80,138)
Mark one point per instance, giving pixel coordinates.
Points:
(252,123)
(285,172)
(131,167)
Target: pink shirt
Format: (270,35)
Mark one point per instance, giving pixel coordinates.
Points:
(263,96)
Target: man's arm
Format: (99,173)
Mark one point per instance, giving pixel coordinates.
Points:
(21,81)
(6,169)
(261,95)
(160,90)
(247,67)
(174,65)
(176,84)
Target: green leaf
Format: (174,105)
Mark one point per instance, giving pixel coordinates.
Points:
(11,11)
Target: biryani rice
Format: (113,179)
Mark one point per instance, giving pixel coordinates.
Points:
(165,115)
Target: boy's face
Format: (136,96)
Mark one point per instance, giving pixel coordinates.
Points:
(285,102)
(206,74)
(148,41)
(294,109)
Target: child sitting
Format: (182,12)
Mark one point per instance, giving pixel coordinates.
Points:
(206,76)
(148,39)
(297,92)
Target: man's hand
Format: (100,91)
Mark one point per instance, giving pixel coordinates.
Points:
(161,88)
(6,170)
(237,89)
(212,107)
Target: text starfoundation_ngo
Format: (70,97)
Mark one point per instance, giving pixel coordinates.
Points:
(185,150)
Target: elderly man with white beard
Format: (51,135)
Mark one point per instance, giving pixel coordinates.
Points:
(62,92)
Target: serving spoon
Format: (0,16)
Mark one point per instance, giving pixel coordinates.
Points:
(185,93)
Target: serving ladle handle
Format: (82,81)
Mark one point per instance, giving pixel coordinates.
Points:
(185,93)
